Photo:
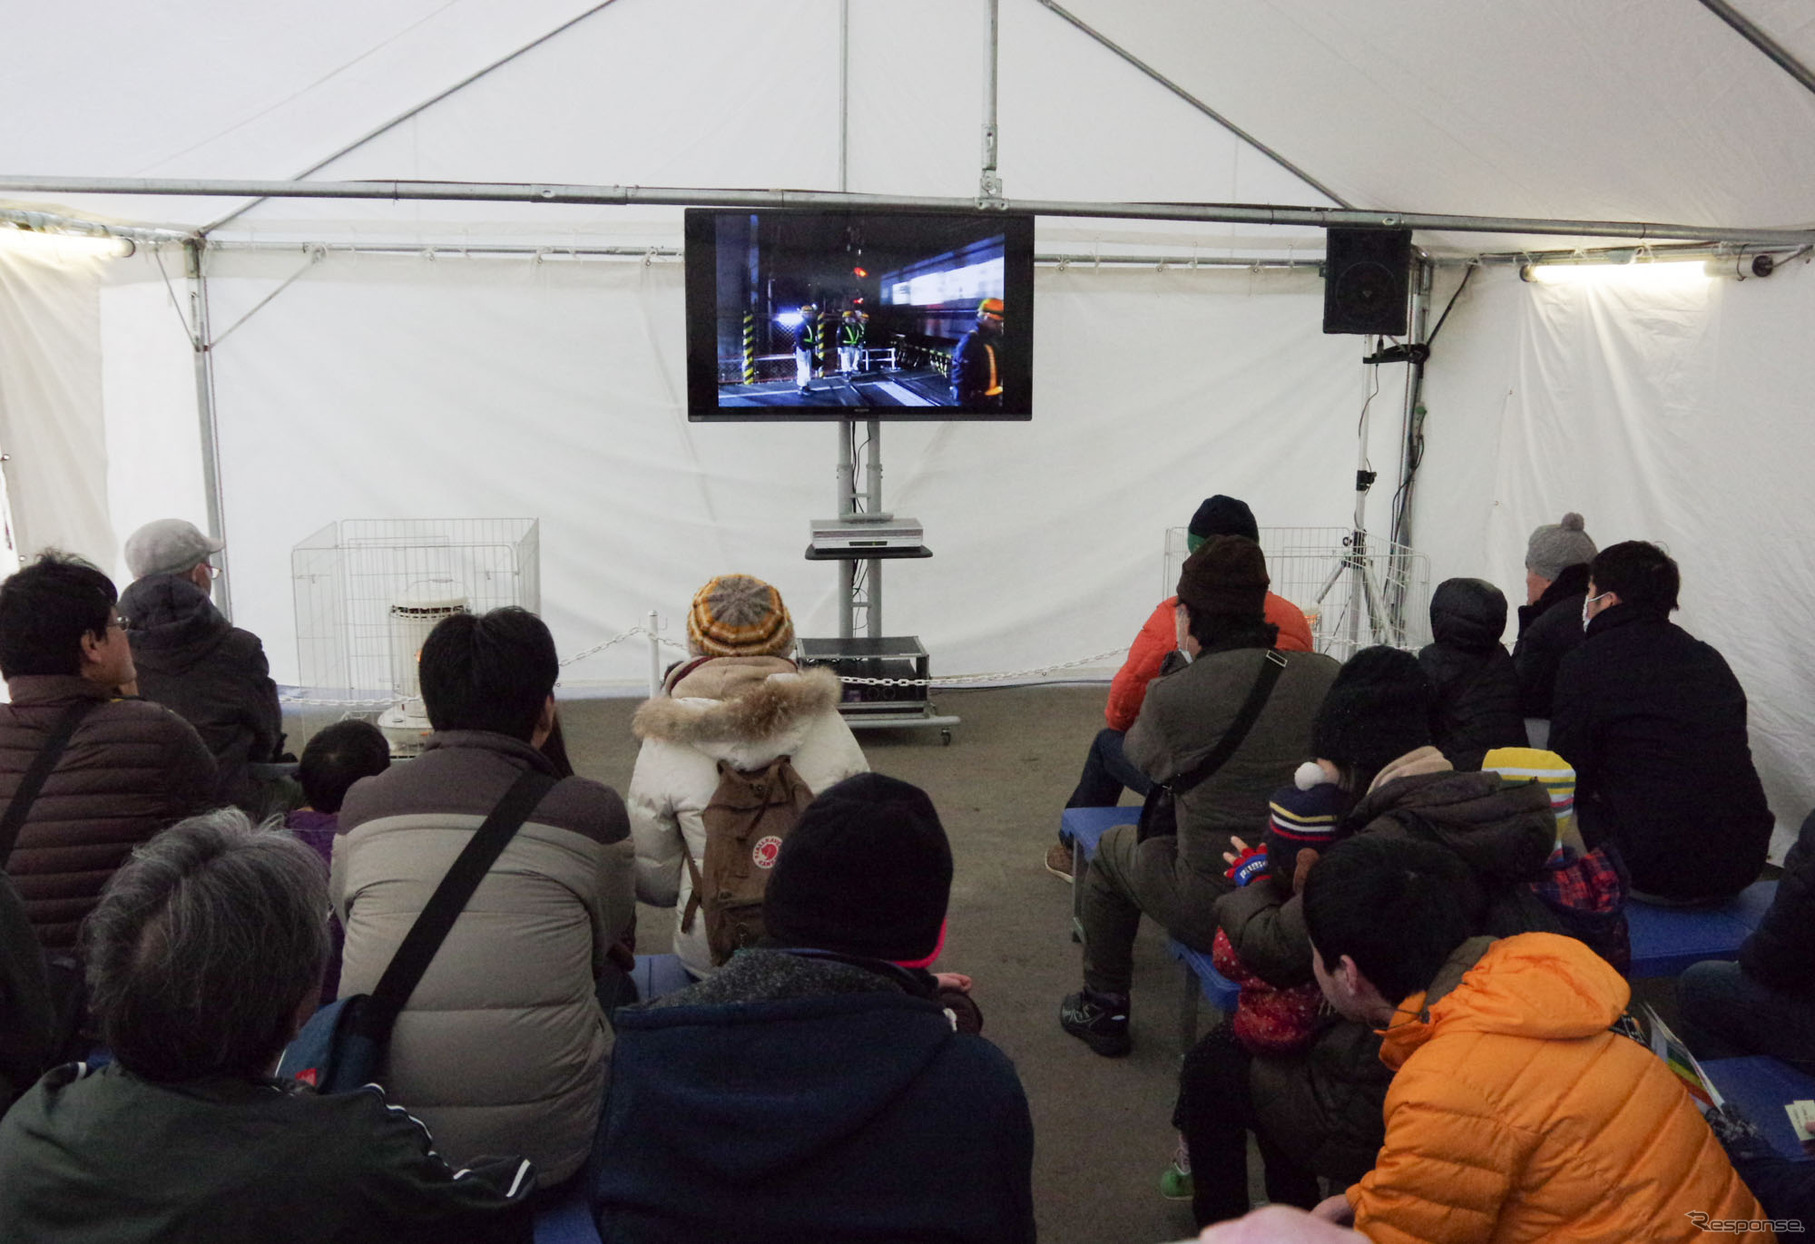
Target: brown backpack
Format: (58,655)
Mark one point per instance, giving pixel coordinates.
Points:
(746,820)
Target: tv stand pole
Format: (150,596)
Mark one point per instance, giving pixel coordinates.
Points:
(874,655)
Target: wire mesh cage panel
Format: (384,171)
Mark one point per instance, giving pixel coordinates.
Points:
(1382,596)
(368,591)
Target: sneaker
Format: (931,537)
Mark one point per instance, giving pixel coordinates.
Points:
(1098,1020)
(1175,1180)
(1058,861)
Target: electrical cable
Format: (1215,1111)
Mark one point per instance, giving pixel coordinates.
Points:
(1468,272)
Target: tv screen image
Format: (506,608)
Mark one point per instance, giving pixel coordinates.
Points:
(858,314)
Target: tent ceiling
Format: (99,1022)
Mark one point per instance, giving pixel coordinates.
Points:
(1551,108)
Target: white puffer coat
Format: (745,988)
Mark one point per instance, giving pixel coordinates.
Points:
(742,710)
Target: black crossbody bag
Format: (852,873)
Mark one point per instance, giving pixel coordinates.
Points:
(1159,814)
(343,1045)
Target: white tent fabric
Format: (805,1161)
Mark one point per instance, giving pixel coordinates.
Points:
(392,387)
(51,424)
(377,386)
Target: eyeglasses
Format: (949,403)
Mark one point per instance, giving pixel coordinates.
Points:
(121,621)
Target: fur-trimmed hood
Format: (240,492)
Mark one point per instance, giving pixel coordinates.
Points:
(733,705)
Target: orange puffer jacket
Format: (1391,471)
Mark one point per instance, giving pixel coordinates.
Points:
(1516,1115)
(1160,636)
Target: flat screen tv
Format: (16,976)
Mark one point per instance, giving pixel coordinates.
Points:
(858,314)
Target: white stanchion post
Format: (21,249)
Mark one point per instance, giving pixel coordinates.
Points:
(655,655)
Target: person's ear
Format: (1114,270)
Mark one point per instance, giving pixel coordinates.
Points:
(92,643)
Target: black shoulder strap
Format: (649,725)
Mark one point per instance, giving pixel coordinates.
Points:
(1270,668)
(26,793)
(413,957)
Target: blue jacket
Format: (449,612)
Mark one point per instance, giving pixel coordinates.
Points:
(850,1116)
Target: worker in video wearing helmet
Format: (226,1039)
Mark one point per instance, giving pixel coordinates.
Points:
(850,341)
(806,345)
(976,363)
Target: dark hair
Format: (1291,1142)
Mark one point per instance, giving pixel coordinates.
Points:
(338,756)
(204,946)
(46,608)
(1376,710)
(1225,630)
(1638,573)
(1397,906)
(489,671)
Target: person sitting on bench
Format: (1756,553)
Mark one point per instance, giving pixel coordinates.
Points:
(1106,768)
(1765,1003)
(1516,1111)
(1226,731)
(1654,724)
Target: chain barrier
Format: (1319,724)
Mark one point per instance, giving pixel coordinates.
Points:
(619,638)
(953,680)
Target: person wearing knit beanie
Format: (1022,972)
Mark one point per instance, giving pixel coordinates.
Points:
(1226,577)
(1107,771)
(1222,732)
(1554,547)
(866,871)
(1550,627)
(1305,816)
(1220,516)
(821,1085)
(736,615)
(740,703)
(1377,710)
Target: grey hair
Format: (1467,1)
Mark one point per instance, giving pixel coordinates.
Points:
(204,946)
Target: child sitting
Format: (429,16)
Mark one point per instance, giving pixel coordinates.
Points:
(1303,817)
(1303,820)
(335,758)
(1586,889)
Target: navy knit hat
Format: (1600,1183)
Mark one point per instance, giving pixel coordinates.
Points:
(1302,818)
(866,871)
(1220,516)
(1377,710)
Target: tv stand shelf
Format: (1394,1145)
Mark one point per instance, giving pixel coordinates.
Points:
(872,655)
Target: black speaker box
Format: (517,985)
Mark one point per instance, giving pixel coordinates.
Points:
(1366,278)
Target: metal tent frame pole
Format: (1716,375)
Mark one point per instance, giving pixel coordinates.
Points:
(204,404)
(1198,104)
(1755,34)
(832,200)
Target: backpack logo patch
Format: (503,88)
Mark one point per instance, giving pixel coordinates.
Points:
(764,852)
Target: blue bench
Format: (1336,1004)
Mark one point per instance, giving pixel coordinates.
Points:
(1201,980)
(1083,828)
(1665,940)
(1761,1087)
(656,975)
(570,1222)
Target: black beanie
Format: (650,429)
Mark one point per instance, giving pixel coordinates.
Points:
(1228,576)
(1222,516)
(1377,710)
(866,871)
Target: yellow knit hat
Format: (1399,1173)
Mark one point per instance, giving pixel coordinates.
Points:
(736,615)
